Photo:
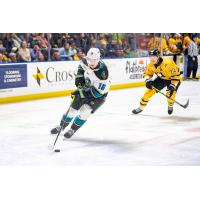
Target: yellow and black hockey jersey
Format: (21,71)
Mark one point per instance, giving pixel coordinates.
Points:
(165,68)
(172,45)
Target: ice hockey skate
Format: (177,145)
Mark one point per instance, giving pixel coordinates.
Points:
(137,111)
(62,126)
(69,133)
(170,110)
(55,130)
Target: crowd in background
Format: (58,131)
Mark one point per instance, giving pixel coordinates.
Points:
(31,47)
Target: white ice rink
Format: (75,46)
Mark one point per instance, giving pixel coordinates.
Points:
(112,136)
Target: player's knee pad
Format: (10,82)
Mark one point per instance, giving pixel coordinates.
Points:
(72,112)
(148,94)
(85,111)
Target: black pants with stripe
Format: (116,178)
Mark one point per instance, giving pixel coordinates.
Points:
(161,83)
(94,103)
(192,66)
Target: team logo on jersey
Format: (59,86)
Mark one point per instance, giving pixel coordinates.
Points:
(103,75)
(166,64)
(172,71)
(38,76)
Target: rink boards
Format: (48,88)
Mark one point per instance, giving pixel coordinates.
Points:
(36,80)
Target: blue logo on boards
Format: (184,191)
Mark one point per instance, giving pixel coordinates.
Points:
(13,76)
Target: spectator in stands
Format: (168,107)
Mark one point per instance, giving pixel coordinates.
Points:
(118,37)
(111,48)
(94,43)
(16,41)
(32,39)
(4,57)
(119,53)
(79,55)
(14,50)
(7,42)
(65,37)
(43,43)
(25,36)
(156,43)
(73,50)
(102,43)
(103,40)
(108,43)
(35,52)
(175,45)
(41,57)
(82,41)
(56,56)
(55,47)
(24,53)
(2,48)
(152,43)
(192,64)
(179,43)
(1,59)
(12,58)
(126,49)
(65,52)
(186,41)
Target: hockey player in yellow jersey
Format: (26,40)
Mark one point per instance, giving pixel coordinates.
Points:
(160,73)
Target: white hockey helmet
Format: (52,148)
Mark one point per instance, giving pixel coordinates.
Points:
(93,57)
(93,54)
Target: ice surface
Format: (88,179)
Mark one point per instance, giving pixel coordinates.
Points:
(112,136)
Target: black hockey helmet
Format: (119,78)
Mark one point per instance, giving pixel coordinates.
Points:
(154,52)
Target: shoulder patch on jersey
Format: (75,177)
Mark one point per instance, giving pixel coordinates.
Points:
(104,75)
(102,72)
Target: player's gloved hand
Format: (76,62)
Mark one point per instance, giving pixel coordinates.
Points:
(149,83)
(171,89)
(80,82)
(88,97)
(75,93)
(81,93)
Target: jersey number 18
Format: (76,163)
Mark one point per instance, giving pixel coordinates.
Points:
(101,86)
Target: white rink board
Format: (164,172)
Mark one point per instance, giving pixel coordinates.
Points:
(59,76)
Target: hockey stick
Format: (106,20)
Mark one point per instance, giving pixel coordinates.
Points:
(182,105)
(51,147)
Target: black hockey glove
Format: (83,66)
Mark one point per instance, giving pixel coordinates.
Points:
(83,94)
(149,83)
(79,82)
(75,93)
(171,89)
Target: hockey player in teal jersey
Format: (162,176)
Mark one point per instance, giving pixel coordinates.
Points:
(92,82)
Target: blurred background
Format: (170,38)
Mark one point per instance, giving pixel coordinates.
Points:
(36,47)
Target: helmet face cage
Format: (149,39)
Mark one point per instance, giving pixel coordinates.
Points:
(154,52)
